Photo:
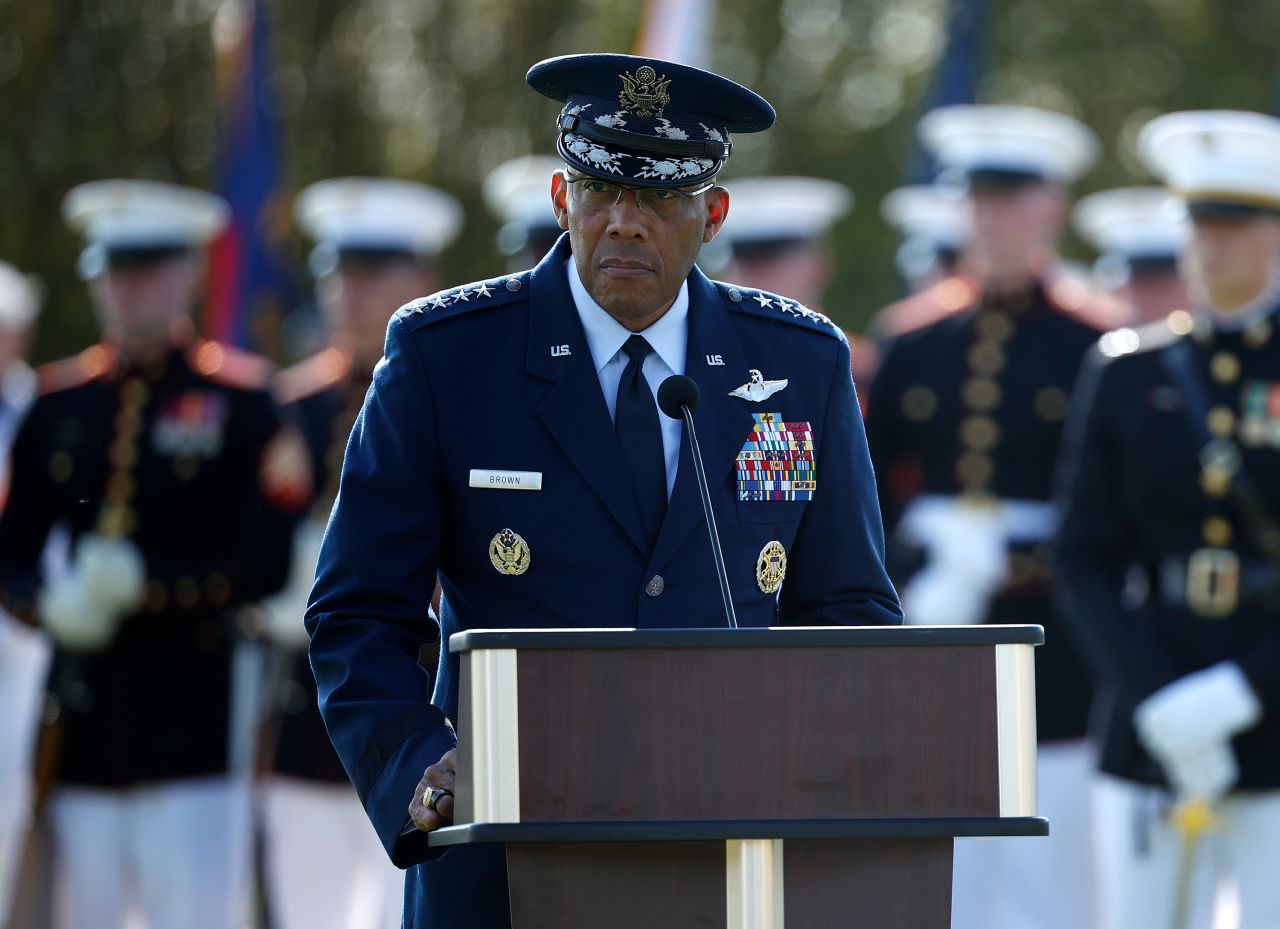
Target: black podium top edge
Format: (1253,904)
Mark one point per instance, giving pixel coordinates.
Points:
(724,830)
(777,637)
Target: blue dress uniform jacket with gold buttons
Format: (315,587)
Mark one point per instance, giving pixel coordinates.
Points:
(498,376)
(972,402)
(1138,501)
(187,459)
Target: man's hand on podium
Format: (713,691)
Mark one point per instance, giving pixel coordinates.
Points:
(432,805)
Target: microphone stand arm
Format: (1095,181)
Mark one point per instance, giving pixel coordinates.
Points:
(714,533)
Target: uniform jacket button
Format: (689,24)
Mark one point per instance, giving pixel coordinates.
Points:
(656,586)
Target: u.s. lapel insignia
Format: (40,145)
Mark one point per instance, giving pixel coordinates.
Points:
(758,389)
(771,567)
(509,553)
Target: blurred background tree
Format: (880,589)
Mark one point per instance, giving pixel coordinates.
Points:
(432,90)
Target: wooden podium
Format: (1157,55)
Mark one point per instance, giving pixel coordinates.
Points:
(745,779)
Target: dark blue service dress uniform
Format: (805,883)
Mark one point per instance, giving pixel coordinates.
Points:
(1161,573)
(498,376)
(187,458)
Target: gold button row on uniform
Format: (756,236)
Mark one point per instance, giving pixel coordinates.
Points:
(1217,532)
(1225,368)
(979,433)
(981,395)
(117,518)
(187,592)
(1222,421)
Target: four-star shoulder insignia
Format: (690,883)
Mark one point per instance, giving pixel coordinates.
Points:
(458,300)
(772,306)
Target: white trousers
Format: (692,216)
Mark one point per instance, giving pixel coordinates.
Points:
(1235,873)
(177,854)
(24,661)
(1034,882)
(325,867)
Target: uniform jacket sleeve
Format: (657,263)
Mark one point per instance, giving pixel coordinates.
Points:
(837,574)
(28,516)
(882,434)
(367,615)
(1096,544)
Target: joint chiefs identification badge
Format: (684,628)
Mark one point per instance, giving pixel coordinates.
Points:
(771,567)
(509,553)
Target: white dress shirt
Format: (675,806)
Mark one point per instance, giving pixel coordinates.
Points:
(669,338)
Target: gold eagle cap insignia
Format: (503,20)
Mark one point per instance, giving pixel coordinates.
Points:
(509,553)
(644,93)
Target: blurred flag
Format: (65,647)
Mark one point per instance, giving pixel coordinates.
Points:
(955,77)
(247,288)
(676,30)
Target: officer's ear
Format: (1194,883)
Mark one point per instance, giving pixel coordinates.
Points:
(717,213)
(560,198)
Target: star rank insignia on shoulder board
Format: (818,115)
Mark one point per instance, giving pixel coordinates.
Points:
(758,389)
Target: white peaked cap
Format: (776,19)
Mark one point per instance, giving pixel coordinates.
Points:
(1215,156)
(519,191)
(928,212)
(144,214)
(1025,140)
(19,297)
(367,212)
(1132,221)
(763,209)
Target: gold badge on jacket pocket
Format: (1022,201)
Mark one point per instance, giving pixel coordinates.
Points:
(771,567)
(509,553)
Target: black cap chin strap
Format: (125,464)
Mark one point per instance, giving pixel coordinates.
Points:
(717,151)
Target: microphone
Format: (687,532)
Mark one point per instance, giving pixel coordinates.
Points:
(678,397)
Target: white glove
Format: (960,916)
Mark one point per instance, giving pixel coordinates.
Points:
(1201,709)
(967,561)
(284,610)
(936,596)
(73,617)
(1205,773)
(112,571)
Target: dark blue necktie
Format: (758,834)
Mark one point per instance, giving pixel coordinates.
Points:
(636,422)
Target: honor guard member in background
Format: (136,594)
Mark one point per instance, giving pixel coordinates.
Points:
(560,364)
(377,242)
(777,238)
(516,193)
(1140,233)
(933,222)
(162,461)
(1172,465)
(964,419)
(24,652)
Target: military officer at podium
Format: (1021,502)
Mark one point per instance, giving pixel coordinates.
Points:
(161,460)
(545,381)
(377,242)
(1172,475)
